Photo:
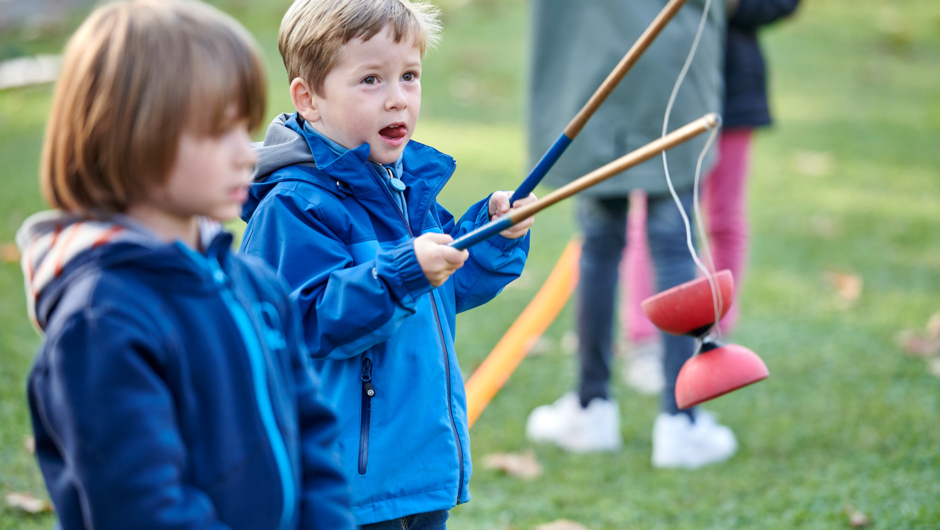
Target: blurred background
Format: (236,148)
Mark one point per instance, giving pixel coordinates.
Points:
(841,300)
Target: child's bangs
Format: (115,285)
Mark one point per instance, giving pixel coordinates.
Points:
(417,21)
(227,85)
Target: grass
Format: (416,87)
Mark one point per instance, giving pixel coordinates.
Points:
(845,418)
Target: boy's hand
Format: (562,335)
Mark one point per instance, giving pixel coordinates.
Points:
(499,206)
(437,260)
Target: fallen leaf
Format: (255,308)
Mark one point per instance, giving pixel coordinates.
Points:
(813,164)
(934,366)
(29,443)
(916,345)
(857,519)
(933,326)
(847,285)
(28,503)
(561,524)
(523,466)
(9,253)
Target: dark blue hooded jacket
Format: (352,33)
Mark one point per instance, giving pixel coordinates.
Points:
(381,336)
(172,389)
(745,74)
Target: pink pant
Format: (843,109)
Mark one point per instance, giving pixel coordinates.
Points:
(724,196)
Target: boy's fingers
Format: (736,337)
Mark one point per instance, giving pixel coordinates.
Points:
(499,203)
(503,202)
(519,229)
(525,200)
(524,225)
(440,239)
(454,257)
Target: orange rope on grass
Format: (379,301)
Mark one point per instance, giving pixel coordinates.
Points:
(521,336)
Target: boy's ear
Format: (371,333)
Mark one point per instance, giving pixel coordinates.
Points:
(305,100)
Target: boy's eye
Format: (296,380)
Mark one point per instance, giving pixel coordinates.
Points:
(370,80)
(410,76)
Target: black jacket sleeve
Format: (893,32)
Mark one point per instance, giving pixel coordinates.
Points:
(752,14)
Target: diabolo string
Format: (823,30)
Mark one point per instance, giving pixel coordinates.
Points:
(709,274)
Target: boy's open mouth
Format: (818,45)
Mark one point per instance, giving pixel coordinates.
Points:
(394,132)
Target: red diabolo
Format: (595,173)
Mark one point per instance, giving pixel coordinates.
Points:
(716,368)
(689,308)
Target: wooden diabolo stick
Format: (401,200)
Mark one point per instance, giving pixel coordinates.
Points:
(624,66)
(681,135)
(613,79)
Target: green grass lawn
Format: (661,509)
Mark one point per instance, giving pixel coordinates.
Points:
(844,420)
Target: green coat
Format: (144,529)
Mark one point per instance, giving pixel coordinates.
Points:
(575,45)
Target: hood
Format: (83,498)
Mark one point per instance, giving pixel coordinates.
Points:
(285,145)
(57,246)
(282,146)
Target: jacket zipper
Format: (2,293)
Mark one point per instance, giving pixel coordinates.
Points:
(368,392)
(440,330)
(450,410)
(254,346)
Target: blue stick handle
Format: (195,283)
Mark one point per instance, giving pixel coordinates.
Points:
(538,172)
(483,233)
(496,226)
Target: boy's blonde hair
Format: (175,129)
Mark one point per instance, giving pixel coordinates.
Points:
(136,76)
(313,31)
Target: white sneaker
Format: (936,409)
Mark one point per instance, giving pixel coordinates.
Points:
(643,368)
(576,429)
(679,443)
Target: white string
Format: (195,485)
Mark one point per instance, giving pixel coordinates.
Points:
(716,295)
(717,300)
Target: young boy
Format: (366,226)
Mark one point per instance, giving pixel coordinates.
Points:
(344,207)
(172,389)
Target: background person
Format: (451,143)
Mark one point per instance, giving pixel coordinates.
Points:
(575,46)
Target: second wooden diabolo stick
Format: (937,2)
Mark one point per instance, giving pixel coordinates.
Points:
(681,135)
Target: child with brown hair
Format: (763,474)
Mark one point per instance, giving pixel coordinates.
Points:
(344,206)
(172,389)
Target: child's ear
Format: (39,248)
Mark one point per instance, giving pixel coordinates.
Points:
(305,100)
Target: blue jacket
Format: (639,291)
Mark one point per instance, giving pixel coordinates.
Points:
(745,75)
(381,337)
(172,389)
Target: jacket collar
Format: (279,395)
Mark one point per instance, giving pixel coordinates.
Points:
(339,150)
(59,246)
(425,171)
(350,168)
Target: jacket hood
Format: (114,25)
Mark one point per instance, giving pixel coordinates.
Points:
(57,246)
(282,147)
(286,145)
